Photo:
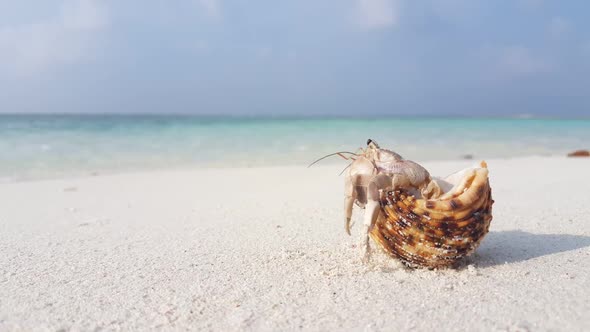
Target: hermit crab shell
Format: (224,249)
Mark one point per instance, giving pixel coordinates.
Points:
(436,233)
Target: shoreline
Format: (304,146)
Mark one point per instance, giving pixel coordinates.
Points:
(189,168)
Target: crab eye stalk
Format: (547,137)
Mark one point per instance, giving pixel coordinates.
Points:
(373,144)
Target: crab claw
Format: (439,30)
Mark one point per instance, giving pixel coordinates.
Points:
(347,225)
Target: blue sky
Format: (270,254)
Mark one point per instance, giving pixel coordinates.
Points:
(321,57)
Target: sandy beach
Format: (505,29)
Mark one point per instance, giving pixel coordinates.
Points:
(264,249)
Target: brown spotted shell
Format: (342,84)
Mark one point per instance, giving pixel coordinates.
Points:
(436,233)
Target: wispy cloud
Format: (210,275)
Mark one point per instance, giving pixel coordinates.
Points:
(531,4)
(65,38)
(559,27)
(520,61)
(264,52)
(376,14)
(455,10)
(212,8)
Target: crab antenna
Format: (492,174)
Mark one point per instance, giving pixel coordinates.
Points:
(332,154)
(345,168)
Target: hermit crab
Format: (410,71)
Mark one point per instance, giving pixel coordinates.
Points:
(421,220)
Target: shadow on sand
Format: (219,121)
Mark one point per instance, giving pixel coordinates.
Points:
(518,246)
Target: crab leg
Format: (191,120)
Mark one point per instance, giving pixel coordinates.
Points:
(349,197)
(372,209)
(371,212)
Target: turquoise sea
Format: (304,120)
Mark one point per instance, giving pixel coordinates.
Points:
(48,146)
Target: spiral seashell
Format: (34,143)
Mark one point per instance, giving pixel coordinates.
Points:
(436,233)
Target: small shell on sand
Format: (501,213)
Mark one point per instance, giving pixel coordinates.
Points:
(579,153)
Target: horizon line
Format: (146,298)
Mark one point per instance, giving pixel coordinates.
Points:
(516,116)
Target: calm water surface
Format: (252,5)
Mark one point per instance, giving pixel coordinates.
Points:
(42,146)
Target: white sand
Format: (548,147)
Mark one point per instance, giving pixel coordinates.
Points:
(265,249)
